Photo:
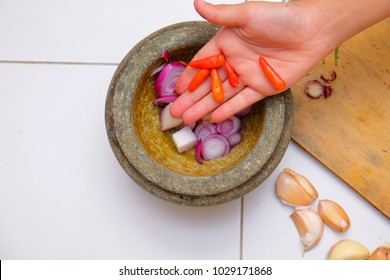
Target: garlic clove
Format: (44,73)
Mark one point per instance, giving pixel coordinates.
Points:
(381,253)
(309,225)
(295,189)
(333,215)
(348,249)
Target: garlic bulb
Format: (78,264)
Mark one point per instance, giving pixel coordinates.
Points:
(348,249)
(309,225)
(381,253)
(295,189)
(333,215)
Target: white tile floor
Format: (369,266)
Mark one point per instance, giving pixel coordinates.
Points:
(63,195)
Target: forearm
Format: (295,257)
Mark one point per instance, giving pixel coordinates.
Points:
(342,19)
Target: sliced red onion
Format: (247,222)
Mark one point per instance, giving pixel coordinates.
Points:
(229,126)
(333,76)
(166,80)
(235,139)
(202,130)
(164,100)
(327,91)
(215,146)
(167,120)
(198,151)
(184,139)
(314,89)
(244,112)
(164,57)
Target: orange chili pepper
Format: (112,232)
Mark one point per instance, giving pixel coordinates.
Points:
(232,76)
(199,77)
(216,85)
(214,61)
(272,76)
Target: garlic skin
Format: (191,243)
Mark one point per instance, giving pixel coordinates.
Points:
(309,225)
(381,253)
(348,249)
(333,215)
(294,189)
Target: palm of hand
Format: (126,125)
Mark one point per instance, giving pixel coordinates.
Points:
(292,56)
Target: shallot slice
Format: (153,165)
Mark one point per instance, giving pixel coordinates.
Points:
(235,139)
(333,76)
(314,89)
(215,146)
(164,100)
(229,126)
(202,130)
(167,120)
(198,151)
(166,80)
(164,57)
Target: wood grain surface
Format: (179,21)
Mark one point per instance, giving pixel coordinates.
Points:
(349,132)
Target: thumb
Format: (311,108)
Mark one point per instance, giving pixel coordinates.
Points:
(223,14)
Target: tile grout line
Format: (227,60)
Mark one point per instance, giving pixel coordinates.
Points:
(59,62)
(116,64)
(241,228)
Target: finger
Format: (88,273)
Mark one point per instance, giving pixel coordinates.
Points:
(184,80)
(208,104)
(242,100)
(187,99)
(223,14)
(211,48)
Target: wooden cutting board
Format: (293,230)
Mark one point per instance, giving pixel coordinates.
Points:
(349,132)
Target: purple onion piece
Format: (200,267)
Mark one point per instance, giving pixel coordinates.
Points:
(333,76)
(202,130)
(235,139)
(166,80)
(164,100)
(314,89)
(215,146)
(327,91)
(198,151)
(164,60)
(229,126)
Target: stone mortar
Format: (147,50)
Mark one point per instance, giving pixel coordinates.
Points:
(172,176)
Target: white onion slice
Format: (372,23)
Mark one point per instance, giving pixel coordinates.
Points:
(164,100)
(198,151)
(314,89)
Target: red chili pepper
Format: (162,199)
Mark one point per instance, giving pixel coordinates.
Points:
(199,77)
(216,86)
(214,61)
(277,82)
(232,76)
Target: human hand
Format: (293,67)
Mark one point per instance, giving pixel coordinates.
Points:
(284,33)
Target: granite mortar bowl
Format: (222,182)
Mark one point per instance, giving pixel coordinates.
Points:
(149,156)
